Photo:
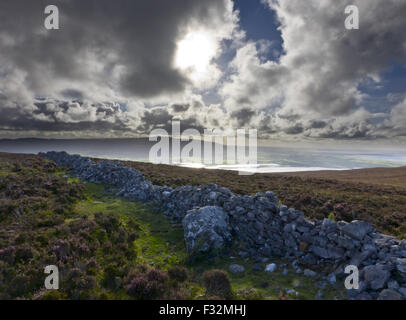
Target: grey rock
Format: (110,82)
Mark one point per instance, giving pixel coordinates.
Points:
(309,273)
(319,295)
(321,284)
(270,267)
(401,267)
(346,243)
(402,291)
(320,252)
(332,278)
(206,229)
(357,229)
(354,293)
(364,296)
(236,268)
(327,224)
(257,267)
(389,294)
(393,284)
(376,276)
(292,292)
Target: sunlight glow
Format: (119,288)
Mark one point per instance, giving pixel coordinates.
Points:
(195,52)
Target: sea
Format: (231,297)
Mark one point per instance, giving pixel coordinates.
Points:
(271,157)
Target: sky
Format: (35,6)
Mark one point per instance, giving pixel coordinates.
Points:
(288,68)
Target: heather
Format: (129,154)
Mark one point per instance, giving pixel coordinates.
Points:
(107,247)
(44,220)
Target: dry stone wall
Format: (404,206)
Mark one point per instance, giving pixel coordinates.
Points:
(261,227)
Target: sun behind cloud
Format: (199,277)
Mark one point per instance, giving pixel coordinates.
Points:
(195,53)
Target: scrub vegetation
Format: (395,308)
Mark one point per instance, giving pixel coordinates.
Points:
(107,247)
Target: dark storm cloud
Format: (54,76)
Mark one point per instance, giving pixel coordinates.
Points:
(111,59)
(117,51)
(243,116)
(160,117)
(53,115)
(318,124)
(294,130)
(137,36)
(72,94)
(180,107)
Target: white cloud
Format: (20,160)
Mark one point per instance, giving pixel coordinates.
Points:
(310,89)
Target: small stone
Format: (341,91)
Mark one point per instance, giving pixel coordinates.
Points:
(401,267)
(402,292)
(319,295)
(285,272)
(389,294)
(354,293)
(303,246)
(393,284)
(309,273)
(332,278)
(257,267)
(236,268)
(363,296)
(270,267)
(296,283)
(321,284)
(292,292)
(213,195)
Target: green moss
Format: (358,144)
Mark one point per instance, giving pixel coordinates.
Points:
(332,217)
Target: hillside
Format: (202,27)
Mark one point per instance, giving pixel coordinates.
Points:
(107,247)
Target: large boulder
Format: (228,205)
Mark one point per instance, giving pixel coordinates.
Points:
(206,230)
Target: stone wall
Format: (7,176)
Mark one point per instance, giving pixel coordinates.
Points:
(261,227)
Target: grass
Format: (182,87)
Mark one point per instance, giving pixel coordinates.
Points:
(159,243)
(269,286)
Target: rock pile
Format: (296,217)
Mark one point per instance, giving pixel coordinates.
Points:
(213,216)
